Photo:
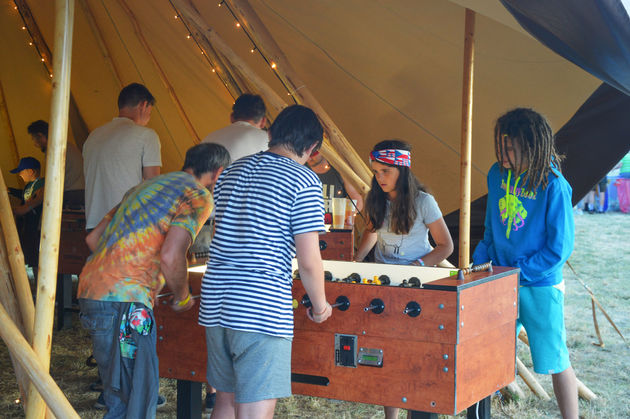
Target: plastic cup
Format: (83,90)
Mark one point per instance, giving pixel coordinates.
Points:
(338,212)
(350,210)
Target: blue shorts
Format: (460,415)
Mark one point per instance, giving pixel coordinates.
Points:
(253,366)
(541,313)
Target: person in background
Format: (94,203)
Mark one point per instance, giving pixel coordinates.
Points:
(529,225)
(333,185)
(139,246)
(269,208)
(596,198)
(29,212)
(401,214)
(73,183)
(120,154)
(245,135)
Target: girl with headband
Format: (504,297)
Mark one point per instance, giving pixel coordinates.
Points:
(401,214)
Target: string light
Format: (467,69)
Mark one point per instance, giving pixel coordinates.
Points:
(50,75)
(213,70)
(188,36)
(176,16)
(43,59)
(23,28)
(220,4)
(30,43)
(273,65)
(253,50)
(238,25)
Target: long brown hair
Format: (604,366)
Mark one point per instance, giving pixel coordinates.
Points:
(403,206)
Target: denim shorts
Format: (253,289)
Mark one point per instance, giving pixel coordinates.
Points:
(253,366)
(541,313)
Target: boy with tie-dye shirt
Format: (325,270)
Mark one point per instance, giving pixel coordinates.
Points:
(138,247)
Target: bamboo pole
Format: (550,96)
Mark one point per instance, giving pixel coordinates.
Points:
(77,123)
(44,383)
(4,111)
(530,380)
(268,46)
(210,37)
(16,261)
(53,191)
(207,36)
(9,302)
(161,73)
(466,140)
(96,30)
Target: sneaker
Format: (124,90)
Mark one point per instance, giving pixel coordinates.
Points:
(161,401)
(99,404)
(211,398)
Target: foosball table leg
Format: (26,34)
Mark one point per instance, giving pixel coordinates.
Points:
(188,399)
(415,414)
(479,410)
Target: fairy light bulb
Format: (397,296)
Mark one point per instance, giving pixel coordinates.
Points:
(238,25)
(187,36)
(23,28)
(30,43)
(273,65)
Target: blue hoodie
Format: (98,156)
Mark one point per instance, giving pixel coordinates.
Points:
(531,231)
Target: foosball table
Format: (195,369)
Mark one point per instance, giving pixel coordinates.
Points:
(430,340)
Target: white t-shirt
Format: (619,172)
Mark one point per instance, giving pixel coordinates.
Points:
(113,157)
(240,139)
(402,249)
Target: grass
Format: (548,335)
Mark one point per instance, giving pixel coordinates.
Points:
(600,258)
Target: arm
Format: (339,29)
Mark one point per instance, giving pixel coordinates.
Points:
(94,236)
(312,274)
(443,243)
(353,193)
(174,265)
(149,172)
(35,201)
(367,243)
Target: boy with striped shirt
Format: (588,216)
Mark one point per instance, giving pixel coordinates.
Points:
(269,208)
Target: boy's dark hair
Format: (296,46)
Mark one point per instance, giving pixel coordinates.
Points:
(38,127)
(403,207)
(297,128)
(531,131)
(133,94)
(248,107)
(206,158)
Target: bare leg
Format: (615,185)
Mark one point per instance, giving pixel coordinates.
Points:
(256,410)
(391,412)
(225,407)
(565,388)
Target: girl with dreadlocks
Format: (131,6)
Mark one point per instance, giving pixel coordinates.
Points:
(400,216)
(529,225)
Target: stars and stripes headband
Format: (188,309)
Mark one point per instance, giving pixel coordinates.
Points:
(392,156)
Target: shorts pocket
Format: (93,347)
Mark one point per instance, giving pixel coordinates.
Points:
(98,324)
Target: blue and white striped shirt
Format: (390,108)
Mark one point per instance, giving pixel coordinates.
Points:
(262,202)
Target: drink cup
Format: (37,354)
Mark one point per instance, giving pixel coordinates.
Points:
(351,205)
(338,212)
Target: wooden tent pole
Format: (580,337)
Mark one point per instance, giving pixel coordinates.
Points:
(53,192)
(10,304)
(44,383)
(96,30)
(530,380)
(268,46)
(207,36)
(16,261)
(77,123)
(4,111)
(466,141)
(161,73)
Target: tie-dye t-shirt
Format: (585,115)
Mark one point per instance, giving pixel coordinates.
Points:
(126,263)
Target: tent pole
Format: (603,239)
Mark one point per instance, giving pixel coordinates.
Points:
(268,46)
(16,261)
(77,123)
(161,73)
(9,301)
(7,121)
(466,140)
(53,192)
(44,383)
(96,30)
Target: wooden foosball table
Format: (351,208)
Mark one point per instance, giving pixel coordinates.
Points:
(427,342)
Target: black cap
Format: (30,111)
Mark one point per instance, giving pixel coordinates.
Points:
(27,163)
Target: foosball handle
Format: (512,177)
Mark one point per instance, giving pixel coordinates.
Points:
(475,268)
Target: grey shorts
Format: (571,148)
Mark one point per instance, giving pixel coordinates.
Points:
(253,366)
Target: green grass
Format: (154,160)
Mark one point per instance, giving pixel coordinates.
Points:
(601,259)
